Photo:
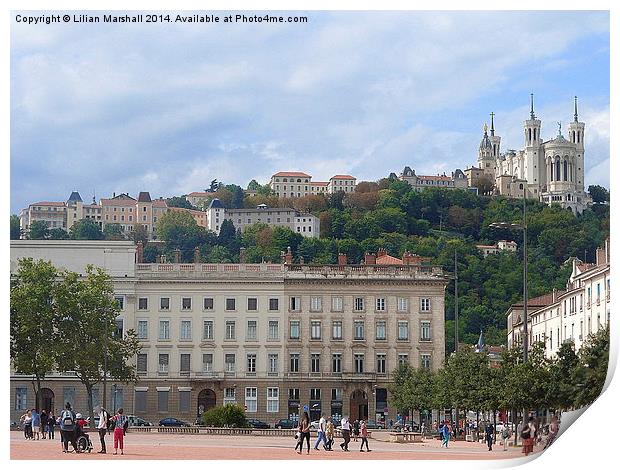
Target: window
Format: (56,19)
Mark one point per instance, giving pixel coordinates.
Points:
(143,303)
(403,331)
(380,330)
(425,361)
(358,304)
(69,394)
(336,394)
(229,361)
(315,363)
(294,366)
(164,303)
(21,398)
(272,360)
(274,305)
(251,363)
(403,304)
(380,363)
(230,330)
(230,304)
(337,304)
(186,303)
(184,399)
(337,329)
(358,330)
(274,330)
(425,331)
(186,360)
(207,362)
(162,400)
(316,304)
(315,394)
(425,305)
(252,304)
(141,363)
(337,363)
(359,363)
(295,304)
(164,329)
(207,303)
(293,394)
(229,396)
(250,334)
(120,301)
(380,304)
(163,363)
(294,329)
(251,399)
(118,333)
(186,330)
(207,329)
(143,329)
(315,329)
(273,400)
(403,359)
(140,400)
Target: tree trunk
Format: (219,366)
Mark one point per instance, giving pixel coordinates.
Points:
(477,426)
(494,427)
(514,424)
(89,391)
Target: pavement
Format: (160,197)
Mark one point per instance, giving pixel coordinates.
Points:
(208,447)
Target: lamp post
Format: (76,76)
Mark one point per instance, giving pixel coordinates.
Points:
(523,226)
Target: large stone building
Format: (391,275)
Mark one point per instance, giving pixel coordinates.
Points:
(271,337)
(457,180)
(299,184)
(569,315)
(552,171)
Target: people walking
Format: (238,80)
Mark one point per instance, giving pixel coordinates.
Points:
(356,430)
(528,434)
(298,437)
(119,430)
(488,435)
(67,428)
(102,426)
(329,432)
(43,425)
(304,426)
(321,434)
(26,418)
(345,429)
(51,423)
(36,422)
(364,433)
(505,436)
(446,431)
(554,428)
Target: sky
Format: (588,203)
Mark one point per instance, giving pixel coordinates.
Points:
(166,108)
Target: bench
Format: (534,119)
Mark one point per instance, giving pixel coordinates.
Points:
(402,437)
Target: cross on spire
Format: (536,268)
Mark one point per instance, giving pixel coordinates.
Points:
(532,115)
(492,124)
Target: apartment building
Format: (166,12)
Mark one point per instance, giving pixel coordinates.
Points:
(501,245)
(457,180)
(568,315)
(299,184)
(271,337)
(344,183)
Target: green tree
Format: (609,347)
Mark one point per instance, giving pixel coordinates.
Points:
(179,201)
(229,415)
(237,195)
(113,232)
(180,231)
(599,194)
(412,389)
(562,390)
(57,234)
(253,185)
(38,230)
(32,321)
(85,331)
(16,230)
(591,373)
(86,229)
(140,234)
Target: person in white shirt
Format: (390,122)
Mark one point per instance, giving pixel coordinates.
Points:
(321,434)
(102,427)
(345,429)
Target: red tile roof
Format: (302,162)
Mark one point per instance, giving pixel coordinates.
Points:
(541,300)
(293,173)
(319,183)
(388,259)
(435,178)
(342,177)
(159,203)
(48,203)
(118,202)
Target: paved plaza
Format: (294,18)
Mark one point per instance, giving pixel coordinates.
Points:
(198,447)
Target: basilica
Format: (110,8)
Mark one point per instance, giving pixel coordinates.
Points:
(551,171)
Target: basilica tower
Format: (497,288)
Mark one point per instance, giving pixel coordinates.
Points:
(485,155)
(533,161)
(576,133)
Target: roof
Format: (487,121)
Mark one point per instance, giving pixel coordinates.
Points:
(159,203)
(319,183)
(486,246)
(293,173)
(559,140)
(216,204)
(48,203)
(541,300)
(435,178)
(144,196)
(118,202)
(199,194)
(342,177)
(75,196)
(388,259)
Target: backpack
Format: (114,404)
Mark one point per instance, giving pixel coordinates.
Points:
(67,418)
(109,422)
(525,432)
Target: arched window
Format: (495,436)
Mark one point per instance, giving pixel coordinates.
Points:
(534,135)
(565,170)
(578,136)
(557,170)
(550,164)
(530,135)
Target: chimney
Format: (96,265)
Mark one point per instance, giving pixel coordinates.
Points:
(288,257)
(600,256)
(381,252)
(370,258)
(139,252)
(554,294)
(177,256)
(282,258)
(242,255)
(114,194)
(196,255)
(342,259)
(301,260)
(410,258)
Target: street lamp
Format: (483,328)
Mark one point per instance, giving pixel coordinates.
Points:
(523,226)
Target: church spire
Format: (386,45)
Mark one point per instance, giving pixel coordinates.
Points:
(576,117)
(532,115)
(492,124)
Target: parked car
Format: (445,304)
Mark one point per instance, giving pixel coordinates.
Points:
(411,426)
(286,424)
(136,421)
(257,424)
(372,424)
(314,425)
(173,422)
